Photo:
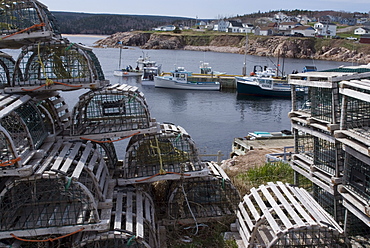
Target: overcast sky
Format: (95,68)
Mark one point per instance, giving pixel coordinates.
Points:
(203,9)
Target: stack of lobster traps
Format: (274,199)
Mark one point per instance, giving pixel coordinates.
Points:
(332,140)
(62,183)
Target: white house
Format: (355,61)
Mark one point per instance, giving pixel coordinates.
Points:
(306,31)
(222,26)
(265,31)
(165,28)
(235,27)
(325,29)
(248,27)
(284,26)
(362,30)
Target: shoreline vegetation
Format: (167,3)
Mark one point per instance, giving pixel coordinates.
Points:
(269,46)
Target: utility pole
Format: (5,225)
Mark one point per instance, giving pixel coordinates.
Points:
(244,71)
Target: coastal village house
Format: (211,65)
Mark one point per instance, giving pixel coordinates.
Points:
(306,31)
(325,29)
(165,28)
(265,31)
(286,27)
(362,30)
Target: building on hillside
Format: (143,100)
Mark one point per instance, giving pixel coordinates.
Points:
(249,28)
(365,39)
(306,31)
(165,28)
(265,31)
(235,27)
(325,28)
(222,26)
(285,28)
(362,30)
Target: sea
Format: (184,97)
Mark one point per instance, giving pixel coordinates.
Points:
(214,118)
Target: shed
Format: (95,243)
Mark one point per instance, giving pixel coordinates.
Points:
(282,215)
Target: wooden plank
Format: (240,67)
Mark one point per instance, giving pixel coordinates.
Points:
(118,214)
(92,162)
(50,157)
(6,110)
(306,202)
(148,215)
(243,226)
(296,204)
(251,208)
(81,163)
(315,205)
(71,157)
(129,224)
(62,154)
(139,215)
(214,170)
(355,94)
(286,204)
(101,168)
(276,207)
(242,235)
(245,216)
(274,225)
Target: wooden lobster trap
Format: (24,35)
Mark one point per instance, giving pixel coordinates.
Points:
(25,22)
(281,215)
(166,155)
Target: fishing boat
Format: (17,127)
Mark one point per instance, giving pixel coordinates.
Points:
(263,82)
(128,71)
(149,67)
(181,79)
(206,69)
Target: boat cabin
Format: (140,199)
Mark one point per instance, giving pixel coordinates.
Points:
(180,74)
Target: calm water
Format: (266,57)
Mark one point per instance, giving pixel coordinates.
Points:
(213,119)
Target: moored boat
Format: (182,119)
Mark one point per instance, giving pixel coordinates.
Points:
(150,68)
(128,71)
(263,82)
(179,79)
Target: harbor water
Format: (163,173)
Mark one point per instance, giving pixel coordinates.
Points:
(213,119)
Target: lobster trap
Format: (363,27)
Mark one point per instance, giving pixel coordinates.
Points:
(132,221)
(6,69)
(116,111)
(24,22)
(166,155)
(318,157)
(56,65)
(280,215)
(355,123)
(202,199)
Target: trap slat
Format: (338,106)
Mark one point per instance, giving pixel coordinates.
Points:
(129,208)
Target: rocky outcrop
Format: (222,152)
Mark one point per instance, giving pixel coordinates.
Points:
(289,47)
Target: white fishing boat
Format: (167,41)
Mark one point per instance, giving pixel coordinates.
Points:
(128,71)
(179,79)
(150,68)
(206,69)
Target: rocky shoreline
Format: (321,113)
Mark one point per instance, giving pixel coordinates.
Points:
(274,46)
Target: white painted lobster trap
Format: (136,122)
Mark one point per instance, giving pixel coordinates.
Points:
(281,215)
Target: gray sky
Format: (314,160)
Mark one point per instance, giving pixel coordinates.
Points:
(203,9)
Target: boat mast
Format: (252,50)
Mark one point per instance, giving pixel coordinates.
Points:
(244,71)
(120,55)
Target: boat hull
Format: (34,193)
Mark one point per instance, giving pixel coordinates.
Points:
(121,73)
(254,88)
(169,83)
